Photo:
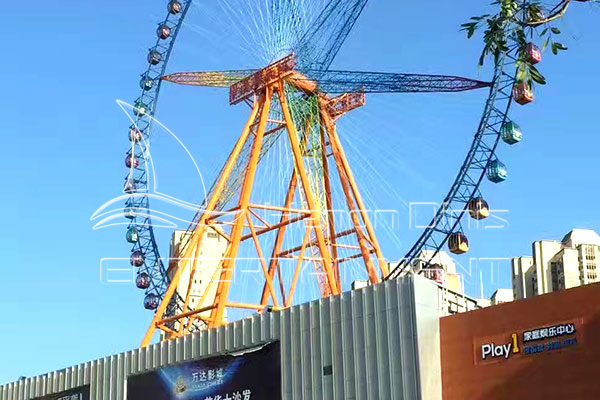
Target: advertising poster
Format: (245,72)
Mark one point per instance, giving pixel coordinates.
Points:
(252,375)
(79,393)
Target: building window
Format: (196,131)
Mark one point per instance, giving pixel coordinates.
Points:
(554,267)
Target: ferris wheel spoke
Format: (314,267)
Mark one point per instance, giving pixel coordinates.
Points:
(320,44)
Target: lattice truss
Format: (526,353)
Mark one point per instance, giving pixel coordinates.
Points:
(308,225)
(342,81)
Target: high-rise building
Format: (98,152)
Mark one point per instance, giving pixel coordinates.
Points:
(556,265)
(210,255)
(522,273)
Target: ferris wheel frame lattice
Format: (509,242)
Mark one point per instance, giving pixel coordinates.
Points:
(312,76)
(152,274)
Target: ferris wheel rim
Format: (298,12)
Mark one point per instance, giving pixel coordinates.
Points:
(158,55)
(424,240)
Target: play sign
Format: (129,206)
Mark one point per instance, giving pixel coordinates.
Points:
(531,341)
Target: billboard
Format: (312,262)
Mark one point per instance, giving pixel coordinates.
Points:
(78,393)
(542,348)
(254,374)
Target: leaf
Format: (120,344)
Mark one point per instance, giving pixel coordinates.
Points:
(482,59)
(546,44)
(557,46)
(538,79)
(556,31)
(560,46)
(536,76)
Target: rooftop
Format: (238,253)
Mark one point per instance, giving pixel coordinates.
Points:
(581,236)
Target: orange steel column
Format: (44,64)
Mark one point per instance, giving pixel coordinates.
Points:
(263,264)
(364,249)
(298,266)
(199,232)
(236,234)
(293,136)
(361,206)
(344,169)
(274,261)
(329,203)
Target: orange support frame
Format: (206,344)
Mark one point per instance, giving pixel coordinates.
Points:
(319,234)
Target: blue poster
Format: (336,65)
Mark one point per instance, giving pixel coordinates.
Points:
(253,375)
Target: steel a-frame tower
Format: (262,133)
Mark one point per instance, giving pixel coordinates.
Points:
(310,134)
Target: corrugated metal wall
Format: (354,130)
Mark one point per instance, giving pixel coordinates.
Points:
(360,345)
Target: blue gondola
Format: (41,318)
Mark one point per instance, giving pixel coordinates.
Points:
(497,171)
(140,109)
(511,133)
(146,83)
(129,212)
(132,235)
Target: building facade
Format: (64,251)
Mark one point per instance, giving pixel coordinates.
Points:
(557,265)
(501,296)
(379,342)
(522,274)
(210,255)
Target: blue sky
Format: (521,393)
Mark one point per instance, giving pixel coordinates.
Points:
(64,140)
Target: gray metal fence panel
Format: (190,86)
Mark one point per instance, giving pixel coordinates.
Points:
(361,345)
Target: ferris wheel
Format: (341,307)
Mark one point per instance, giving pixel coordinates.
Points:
(295,101)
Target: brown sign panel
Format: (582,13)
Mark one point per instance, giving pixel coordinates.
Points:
(539,348)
